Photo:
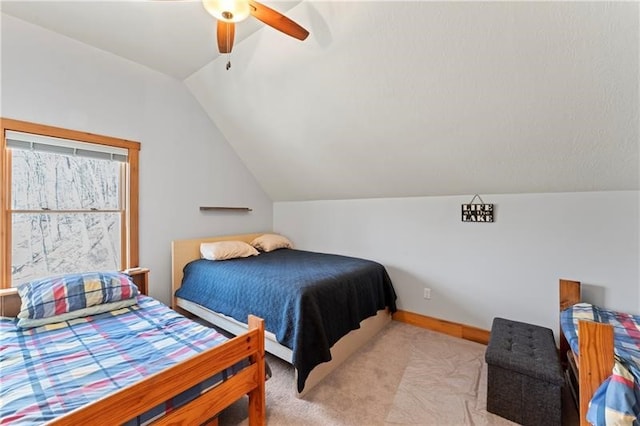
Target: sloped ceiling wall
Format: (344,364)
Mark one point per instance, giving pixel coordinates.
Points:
(391,99)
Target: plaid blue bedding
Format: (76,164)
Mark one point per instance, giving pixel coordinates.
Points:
(53,369)
(71,292)
(617,400)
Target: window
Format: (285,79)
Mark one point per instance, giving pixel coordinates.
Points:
(69,202)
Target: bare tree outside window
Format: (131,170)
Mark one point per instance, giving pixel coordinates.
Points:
(66,214)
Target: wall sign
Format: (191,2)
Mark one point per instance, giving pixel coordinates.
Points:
(477,212)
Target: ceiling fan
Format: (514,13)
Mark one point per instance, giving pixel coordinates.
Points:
(228,12)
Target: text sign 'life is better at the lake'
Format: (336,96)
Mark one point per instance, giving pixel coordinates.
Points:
(477,212)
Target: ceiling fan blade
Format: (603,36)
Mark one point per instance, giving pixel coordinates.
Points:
(277,20)
(226,33)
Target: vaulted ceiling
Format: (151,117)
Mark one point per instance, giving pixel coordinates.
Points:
(399,98)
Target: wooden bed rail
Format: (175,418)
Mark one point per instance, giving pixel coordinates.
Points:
(133,400)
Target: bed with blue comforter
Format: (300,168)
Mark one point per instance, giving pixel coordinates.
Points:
(308,300)
(617,400)
(51,370)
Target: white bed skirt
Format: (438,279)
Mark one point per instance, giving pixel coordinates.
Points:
(340,351)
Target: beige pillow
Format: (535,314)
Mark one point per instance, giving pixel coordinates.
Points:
(270,242)
(222,250)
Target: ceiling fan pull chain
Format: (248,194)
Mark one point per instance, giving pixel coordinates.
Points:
(228,47)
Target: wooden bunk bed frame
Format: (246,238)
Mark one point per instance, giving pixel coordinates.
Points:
(185,251)
(595,360)
(137,398)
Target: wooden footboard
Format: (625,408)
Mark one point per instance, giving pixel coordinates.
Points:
(131,401)
(595,359)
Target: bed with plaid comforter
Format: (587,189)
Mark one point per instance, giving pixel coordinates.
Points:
(53,369)
(617,400)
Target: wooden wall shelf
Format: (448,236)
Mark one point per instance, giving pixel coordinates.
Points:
(235,209)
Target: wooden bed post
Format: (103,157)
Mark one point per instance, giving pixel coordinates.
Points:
(257,397)
(569,295)
(596,361)
(595,356)
(9,302)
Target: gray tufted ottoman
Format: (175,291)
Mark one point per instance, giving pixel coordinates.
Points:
(525,378)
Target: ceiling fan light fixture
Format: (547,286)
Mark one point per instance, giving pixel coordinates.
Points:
(228,10)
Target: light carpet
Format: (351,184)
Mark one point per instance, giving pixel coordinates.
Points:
(405,376)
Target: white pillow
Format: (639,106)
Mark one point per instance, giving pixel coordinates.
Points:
(270,242)
(222,250)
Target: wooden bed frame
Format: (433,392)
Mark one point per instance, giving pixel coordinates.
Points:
(185,251)
(135,399)
(595,360)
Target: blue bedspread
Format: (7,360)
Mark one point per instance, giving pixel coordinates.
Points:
(308,300)
(617,400)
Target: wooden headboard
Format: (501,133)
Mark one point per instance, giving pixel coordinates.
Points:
(184,251)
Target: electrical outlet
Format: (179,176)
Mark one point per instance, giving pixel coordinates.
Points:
(427,293)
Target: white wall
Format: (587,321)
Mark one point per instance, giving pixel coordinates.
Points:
(184,162)
(477,271)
